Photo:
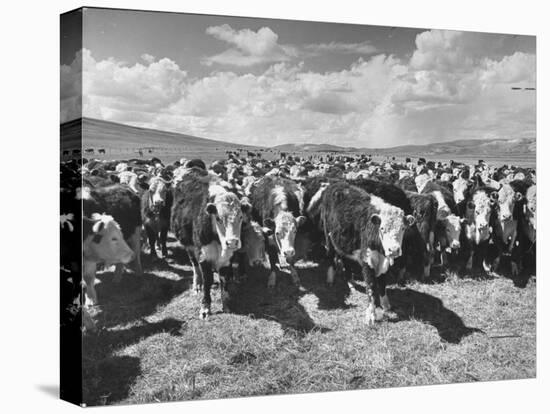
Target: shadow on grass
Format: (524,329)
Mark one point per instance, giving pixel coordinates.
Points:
(410,304)
(107,378)
(135,297)
(280,304)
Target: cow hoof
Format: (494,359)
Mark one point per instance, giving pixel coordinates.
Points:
(514,269)
(205,312)
(390,315)
(271,280)
(486,267)
(371,315)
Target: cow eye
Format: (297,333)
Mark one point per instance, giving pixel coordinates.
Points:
(114,239)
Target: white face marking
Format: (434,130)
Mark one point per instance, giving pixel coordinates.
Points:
(452,230)
(443,209)
(392,226)
(421,181)
(106,243)
(459,187)
(317,197)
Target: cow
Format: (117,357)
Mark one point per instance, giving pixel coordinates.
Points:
(65,152)
(123,205)
(101,151)
(89,150)
(506,224)
(102,242)
(206,219)
(76,152)
(477,224)
(156,205)
(425,208)
(277,203)
(363,229)
(448,223)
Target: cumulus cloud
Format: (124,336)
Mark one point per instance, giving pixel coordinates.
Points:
(250,48)
(148,58)
(448,89)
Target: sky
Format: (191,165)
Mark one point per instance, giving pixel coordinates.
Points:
(270,82)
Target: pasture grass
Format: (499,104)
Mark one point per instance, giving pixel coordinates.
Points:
(152,346)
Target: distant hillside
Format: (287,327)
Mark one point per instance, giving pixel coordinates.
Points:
(470,147)
(467,147)
(97,133)
(313,148)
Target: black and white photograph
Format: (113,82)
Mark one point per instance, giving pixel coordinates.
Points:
(262,206)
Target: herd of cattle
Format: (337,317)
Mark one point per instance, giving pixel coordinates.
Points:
(358,216)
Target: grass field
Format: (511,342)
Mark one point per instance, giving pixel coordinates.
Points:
(152,346)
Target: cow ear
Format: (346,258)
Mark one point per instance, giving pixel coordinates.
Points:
(267,231)
(410,219)
(300,220)
(494,195)
(97,238)
(269,223)
(518,196)
(470,205)
(246,207)
(114,178)
(211,209)
(375,219)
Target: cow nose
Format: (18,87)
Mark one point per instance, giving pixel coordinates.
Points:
(455,244)
(394,251)
(232,243)
(506,217)
(289,253)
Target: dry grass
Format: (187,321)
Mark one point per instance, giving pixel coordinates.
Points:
(152,346)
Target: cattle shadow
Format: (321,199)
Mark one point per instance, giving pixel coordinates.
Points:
(313,279)
(135,297)
(107,377)
(281,304)
(410,304)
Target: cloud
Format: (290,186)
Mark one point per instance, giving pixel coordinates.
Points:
(450,88)
(251,48)
(148,58)
(363,48)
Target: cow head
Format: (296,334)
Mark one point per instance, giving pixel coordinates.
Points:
(460,186)
(507,199)
(158,190)
(478,212)
(253,240)
(226,212)
(285,226)
(452,226)
(106,242)
(392,223)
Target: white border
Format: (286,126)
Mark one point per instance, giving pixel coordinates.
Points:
(30,130)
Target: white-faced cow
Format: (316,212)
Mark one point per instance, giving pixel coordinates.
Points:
(207,219)
(103,242)
(276,203)
(365,230)
(156,204)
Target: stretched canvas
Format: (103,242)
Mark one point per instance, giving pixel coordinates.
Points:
(253,206)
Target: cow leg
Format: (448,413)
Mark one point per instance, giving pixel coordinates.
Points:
(163,237)
(331,272)
(135,245)
(208,277)
(470,262)
(384,301)
(197,273)
(272,278)
(89,269)
(371,293)
(226,287)
(294,275)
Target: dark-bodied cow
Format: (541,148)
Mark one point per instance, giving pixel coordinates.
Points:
(425,212)
(506,224)
(207,220)
(277,203)
(477,224)
(366,230)
(448,224)
(123,205)
(156,204)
